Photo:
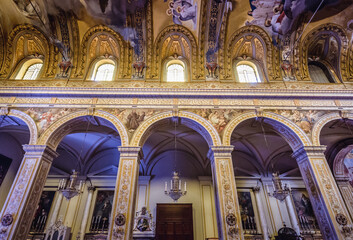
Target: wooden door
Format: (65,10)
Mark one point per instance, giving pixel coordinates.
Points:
(174,222)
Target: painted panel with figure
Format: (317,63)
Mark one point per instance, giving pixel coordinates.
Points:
(304,210)
(348,166)
(247,213)
(5,163)
(42,212)
(102,210)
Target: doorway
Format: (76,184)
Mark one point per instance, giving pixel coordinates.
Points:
(174,222)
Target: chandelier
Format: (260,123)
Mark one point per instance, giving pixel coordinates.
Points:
(175,191)
(68,187)
(280,190)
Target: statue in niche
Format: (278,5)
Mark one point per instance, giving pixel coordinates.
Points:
(143,226)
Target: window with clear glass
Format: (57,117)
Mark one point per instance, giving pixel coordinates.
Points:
(33,71)
(319,73)
(175,73)
(247,74)
(105,72)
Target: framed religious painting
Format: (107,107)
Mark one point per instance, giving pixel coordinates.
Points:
(102,210)
(304,210)
(41,216)
(5,163)
(248,211)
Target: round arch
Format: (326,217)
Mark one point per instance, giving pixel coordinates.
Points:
(323,121)
(54,134)
(265,39)
(191,120)
(28,120)
(11,58)
(187,35)
(301,60)
(123,51)
(292,133)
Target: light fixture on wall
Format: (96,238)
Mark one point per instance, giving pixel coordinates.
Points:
(68,187)
(280,190)
(175,191)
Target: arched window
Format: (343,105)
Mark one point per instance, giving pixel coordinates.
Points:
(175,73)
(319,73)
(104,72)
(247,74)
(32,71)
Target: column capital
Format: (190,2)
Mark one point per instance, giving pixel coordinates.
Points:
(128,151)
(220,151)
(307,151)
(40,150)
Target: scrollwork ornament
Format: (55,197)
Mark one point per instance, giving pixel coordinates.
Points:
(233,231)
(341,219)
(7,220)
(120,220)
(231,219)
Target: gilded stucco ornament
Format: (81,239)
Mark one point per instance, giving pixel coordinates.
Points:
(270,62)
(301,50)
(158,49)
(15,53)
(125,52)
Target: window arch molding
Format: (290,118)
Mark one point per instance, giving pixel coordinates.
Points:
(254,65)
(98,62)
(173,60)
(90,51)
(26,33)
(301,60)
(22,67)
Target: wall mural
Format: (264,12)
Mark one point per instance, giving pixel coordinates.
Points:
(102,211)
(218,118)
(280,17)
(247,212)
(44,117)
(304,119)
(304,210)
(42,212)
(183,11)
(348,166)
(4,167)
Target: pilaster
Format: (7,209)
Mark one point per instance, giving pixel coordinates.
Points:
(125,194)
(227,207)
(22,200)
(330,211)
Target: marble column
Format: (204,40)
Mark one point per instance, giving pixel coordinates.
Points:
(86,212)
(329,208)
(226,198)
(23,198)
(54,216)
(292,215)
(263,222)
(123,211)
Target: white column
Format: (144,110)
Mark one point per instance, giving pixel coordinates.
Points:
(261,213)
(86,212)
(56,209)
(292,215)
